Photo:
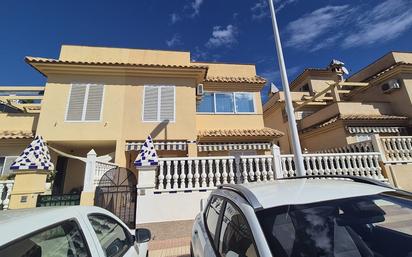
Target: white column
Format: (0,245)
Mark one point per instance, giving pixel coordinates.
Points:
(89,171)
(277,162)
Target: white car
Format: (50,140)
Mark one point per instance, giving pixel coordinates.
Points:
(72,231)
(302,217)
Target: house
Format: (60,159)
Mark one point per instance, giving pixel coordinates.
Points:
(19,114)
(111,99)
(332,112)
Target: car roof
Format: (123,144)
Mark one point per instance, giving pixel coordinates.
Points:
(18,223)
(302,191)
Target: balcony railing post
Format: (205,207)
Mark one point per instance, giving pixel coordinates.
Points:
(277,162)
(378,147)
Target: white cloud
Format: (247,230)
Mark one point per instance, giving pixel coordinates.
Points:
(222,36)
(384,22)
(174,41)
(174,17)
(345,26)
(196,7)
(261,9)
(305,30)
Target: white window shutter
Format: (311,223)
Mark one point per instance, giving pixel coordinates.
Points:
(167,103)
(94,102)
(76,102)
(151,102)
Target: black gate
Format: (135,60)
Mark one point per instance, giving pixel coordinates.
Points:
(117,193)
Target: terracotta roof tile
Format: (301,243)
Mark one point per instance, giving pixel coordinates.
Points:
(359,117)
(255,79)
(387,70)
(49,60)
(264,132)
(8,134)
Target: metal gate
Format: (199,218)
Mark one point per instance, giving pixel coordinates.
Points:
(116,193)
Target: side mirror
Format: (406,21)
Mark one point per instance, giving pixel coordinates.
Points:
(143,235)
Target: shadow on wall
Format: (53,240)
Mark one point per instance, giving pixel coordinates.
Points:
(159,128)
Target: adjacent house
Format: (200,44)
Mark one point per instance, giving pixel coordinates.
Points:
(111,99)
(333,112)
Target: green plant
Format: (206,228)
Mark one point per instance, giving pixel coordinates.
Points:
(51,176)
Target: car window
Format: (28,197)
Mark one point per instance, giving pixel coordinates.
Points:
(113,237)
(235,236)
(62,240)
(356,227)
(212,215)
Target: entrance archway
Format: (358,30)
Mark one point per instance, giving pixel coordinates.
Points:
(116,193)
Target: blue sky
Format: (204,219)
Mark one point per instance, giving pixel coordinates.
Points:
(313,32)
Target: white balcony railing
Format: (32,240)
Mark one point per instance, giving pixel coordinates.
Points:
(181,174)
(397,148)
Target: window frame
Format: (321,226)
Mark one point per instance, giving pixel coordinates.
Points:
(129,236)
(4,162)
(159,96)
(86,95)
(234,103)
(214,241)
(33,233)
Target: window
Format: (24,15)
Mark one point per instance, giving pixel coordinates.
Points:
(237,102)
(5,163)
(61,240)
(113,237)
(356,226)
(159,103)
(244,102)
(235,236)
(224,102)
(85,102)
(207,104)
(212,215)
(304,88)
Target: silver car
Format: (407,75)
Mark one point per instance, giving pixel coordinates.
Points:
(339,217)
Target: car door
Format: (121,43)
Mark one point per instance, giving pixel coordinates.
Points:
(206,228)
(114,238)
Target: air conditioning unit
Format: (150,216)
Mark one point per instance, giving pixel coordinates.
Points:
(199,90)
(391,85)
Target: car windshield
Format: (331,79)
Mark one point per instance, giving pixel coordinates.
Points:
(377,225)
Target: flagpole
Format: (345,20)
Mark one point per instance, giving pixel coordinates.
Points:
(297,151)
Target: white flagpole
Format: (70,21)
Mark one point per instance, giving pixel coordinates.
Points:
(297,151)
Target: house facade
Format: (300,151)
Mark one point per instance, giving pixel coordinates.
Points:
(111,99)
(333,112)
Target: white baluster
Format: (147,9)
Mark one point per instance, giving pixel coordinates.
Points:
(251,171)
(224,173)
(238,178)
(314,165)
(161,176)
(210,175)
(245,173)
(203,174)
(309,170)
(168,175)
(343,169)
(326,163)
(258,173)
(284,166)
(189,174)
(197,175)
(321,170)
(175,175)
(264,172)
(271,173)
(217,173)
(367,164)
(231,173)
(6,201)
